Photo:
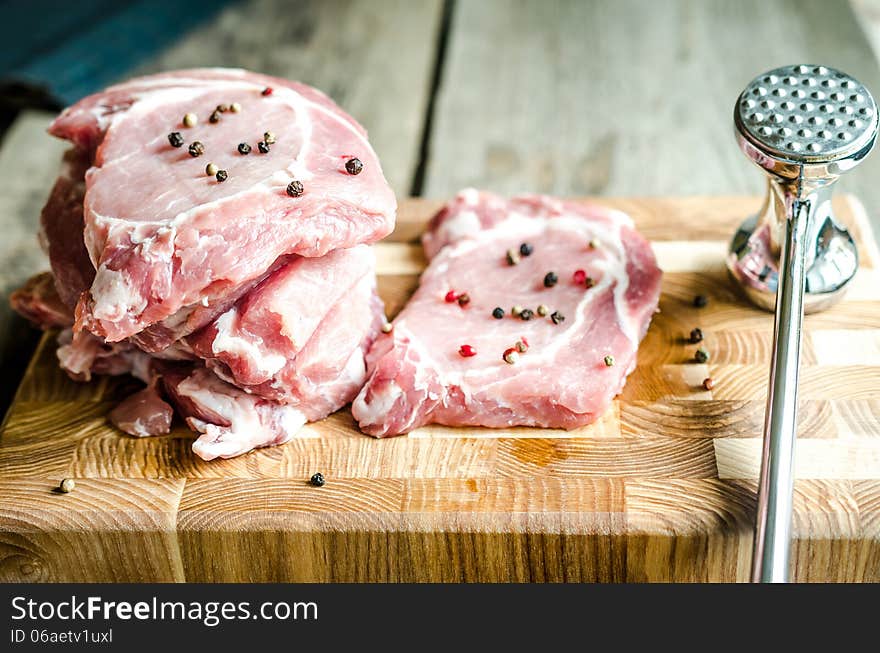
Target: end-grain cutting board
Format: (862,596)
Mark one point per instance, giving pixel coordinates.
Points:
(661,488)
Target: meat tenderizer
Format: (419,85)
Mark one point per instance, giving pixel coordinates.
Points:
(805,125)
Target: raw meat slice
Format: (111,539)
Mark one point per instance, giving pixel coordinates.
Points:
(38,301)
(61,229)
(143,414)
(297,330)
(231,421)
(164,244)
(606,291)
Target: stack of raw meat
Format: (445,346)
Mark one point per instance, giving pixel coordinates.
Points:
(209,233)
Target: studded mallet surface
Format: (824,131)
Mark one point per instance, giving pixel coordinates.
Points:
(807,113)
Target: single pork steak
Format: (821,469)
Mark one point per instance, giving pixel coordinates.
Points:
(163,235)
(529,314)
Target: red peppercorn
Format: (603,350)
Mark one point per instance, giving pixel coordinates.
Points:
(579,276)
(267,91)
(466,351)
(451,296)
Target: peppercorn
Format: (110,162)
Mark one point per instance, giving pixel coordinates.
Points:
(263,147)
(526,314)
(269,137)
(579,277)
(450,297)
(466,351)
(498,313)
(196,149)
(609,361)
(550,279)
(295,188)
(221,176)
(244,148)
(589,283)
(510,356)
(215,117)
(190,119)
(594,243)
(702,355)
(67,485)
(354,166)
(175,139)
(708,383)
(235,107)
(521,346)
(557,317)
(543,310)
(525,249)
(463,299)
(512,257)
(387,327)
(317,479)
(267,91)
(700,301)
(211,169)
(696,336)
(222,108)
(516,310)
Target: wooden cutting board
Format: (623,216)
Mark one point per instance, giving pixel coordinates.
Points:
(661,488)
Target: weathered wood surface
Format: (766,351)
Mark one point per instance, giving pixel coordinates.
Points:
(623,98)
(29,162)
(661,488)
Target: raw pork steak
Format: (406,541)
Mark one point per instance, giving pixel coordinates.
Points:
(444,361)
(300,337)
(178,238)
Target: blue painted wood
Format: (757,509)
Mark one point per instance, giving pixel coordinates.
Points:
(33,27)
(88,57)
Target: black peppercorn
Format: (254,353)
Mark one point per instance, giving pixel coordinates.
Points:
(317,479)
(244,148)
(700,301)
(557,317)
(550,279)
(702,355)
(196,149)
(215,117)
(221,175)
(525,249)
(295,188)
(263,146)
(696,335)
(175,139)
(527,314)
(354,166)
(498,313)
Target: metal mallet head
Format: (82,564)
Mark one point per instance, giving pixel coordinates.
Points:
(805,126)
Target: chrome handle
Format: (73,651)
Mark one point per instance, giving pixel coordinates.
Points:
(776,482)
